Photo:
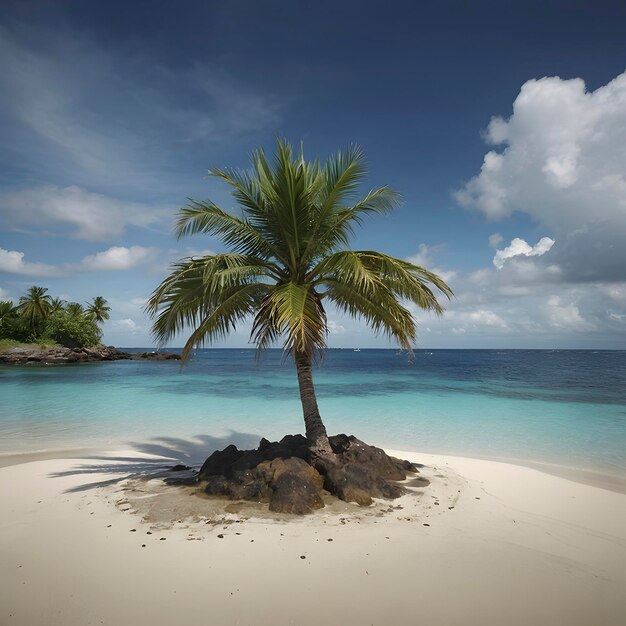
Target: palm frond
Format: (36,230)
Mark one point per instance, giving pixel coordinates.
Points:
(202,293)
(288,252)
(382,313)
(238,234)
(295,312)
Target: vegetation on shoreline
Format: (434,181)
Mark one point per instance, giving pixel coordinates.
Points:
(41,320)
(6,344)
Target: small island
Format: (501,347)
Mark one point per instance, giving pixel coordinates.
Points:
(42,330)
(57,354)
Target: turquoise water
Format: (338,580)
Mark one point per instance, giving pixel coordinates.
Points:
(562,407)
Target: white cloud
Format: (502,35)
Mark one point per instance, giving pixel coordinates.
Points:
(566,315)
(463,318)
(563,163)
(4,294)
(424,258)
(128,325)
(334,328)
(194,253)
(495,240)
(117,258)
(519,247)
(12,261)
(615,291)
(482,317)
(91,216)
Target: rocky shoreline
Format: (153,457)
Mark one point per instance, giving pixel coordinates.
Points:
(52,355)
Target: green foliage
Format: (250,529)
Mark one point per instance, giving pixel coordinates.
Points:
(97,310)
(7,312)
(56,304)
(6,344)
(35,307)
(72,330)
(13,325)
(40,319)
(289,254)
(75,309)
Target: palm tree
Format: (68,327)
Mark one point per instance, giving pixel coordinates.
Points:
(75,309)
(56,305)
(35,307)
(98,311)
(7,310)
(289,254)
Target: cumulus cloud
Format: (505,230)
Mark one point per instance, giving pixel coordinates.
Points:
(90,216)
(519,247)
(561,158)
(334,328)
(12,262)
(566,315)
(116,258)
(127,325)
(475,318)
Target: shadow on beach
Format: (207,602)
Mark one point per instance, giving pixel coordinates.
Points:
(162,454)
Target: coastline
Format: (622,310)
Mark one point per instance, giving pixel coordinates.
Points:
(592,478)
(506,544)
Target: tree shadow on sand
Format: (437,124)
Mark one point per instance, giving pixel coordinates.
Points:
(167,452)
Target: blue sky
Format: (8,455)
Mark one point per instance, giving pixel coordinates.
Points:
(503,125)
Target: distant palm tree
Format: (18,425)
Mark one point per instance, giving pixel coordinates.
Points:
(56,305)
(7,310)
(98,311)
(289,255)
(35,306)
(75,309)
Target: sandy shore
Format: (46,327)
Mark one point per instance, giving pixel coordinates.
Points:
(485,543)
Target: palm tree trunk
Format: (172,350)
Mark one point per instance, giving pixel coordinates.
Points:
(315,429)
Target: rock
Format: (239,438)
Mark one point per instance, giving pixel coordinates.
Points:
(353,482)
(220,462)
(282,472)
(295,494)
(354,450)
(245,475)
(215,485)
(57,354)
(273,470)
(155,356)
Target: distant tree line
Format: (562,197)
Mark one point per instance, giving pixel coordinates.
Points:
(38,317)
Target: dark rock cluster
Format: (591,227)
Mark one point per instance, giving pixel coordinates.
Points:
(284,474)
(48,355)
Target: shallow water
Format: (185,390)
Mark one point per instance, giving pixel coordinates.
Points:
(563,407)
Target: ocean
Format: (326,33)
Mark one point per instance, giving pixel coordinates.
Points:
(562,407)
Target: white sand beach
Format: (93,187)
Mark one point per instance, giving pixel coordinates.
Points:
(485,543)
